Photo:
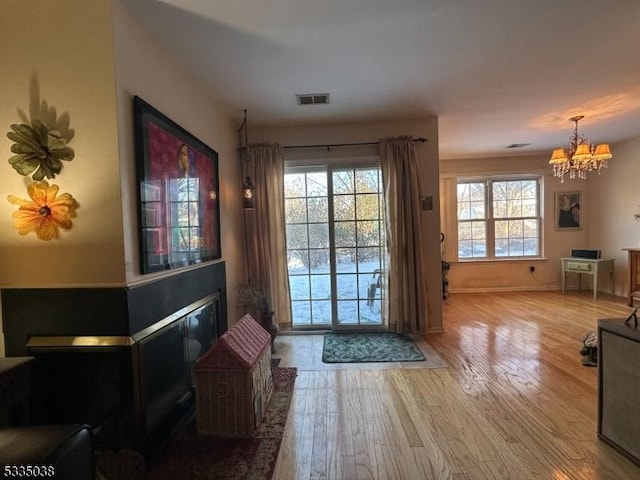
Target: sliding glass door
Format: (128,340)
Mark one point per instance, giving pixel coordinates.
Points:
(335,247)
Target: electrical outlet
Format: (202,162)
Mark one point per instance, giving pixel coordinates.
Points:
(532,268)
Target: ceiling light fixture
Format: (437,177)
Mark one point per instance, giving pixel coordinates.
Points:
(582,157)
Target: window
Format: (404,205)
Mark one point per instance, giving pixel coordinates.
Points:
(499,218)
(185,234)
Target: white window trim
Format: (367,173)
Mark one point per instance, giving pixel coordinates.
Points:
(488,180)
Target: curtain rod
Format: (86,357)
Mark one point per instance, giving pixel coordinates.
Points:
(419,139)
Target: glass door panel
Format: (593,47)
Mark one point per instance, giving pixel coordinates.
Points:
(359,254)
(308,247)
(335,247)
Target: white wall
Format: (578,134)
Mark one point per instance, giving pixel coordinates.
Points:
(615,198)
(609,202)
(514,274)
(145,69)
(371,132)
(86,58)
(61,53)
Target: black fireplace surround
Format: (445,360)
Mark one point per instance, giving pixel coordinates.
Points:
(118,359)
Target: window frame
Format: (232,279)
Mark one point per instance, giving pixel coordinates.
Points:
(490,219)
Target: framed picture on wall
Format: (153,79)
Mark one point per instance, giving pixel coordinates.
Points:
(178,201)
(568,210)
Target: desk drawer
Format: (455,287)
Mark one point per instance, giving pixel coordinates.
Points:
(578,267)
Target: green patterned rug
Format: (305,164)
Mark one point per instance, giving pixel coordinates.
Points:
(369,347)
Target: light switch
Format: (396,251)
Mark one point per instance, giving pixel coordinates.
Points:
(427,202)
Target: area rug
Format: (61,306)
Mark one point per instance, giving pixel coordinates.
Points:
(369,347)
(197,458)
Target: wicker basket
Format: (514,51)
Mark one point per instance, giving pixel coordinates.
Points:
(233,381)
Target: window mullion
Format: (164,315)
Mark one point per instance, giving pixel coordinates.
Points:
(490,220)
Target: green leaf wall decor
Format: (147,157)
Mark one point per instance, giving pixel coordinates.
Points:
(39,150)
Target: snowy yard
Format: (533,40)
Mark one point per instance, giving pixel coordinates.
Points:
(311,294)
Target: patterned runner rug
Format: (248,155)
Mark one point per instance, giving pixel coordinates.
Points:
(369,347)
(192,457)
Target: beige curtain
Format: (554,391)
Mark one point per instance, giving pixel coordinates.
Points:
(265,227)
(408,305)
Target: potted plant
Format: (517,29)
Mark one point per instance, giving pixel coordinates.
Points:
(256,298)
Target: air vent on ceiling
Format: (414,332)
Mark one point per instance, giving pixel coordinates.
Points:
(518,145)
(313,99)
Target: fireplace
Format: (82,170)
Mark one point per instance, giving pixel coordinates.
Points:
(120,360)
(164,356)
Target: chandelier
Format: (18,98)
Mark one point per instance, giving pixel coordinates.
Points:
(582,156)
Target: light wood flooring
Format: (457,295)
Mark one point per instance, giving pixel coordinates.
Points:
(514,402)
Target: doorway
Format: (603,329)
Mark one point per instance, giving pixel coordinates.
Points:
(336,247)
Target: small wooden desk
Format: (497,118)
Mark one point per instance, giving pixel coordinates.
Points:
(589,266)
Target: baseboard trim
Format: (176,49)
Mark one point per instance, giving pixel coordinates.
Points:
(542,288)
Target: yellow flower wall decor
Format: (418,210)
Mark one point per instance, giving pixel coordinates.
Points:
(45,213)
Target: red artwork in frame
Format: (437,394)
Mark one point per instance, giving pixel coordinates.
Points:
(177,178)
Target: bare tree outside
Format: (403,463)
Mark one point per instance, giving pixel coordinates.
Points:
(498,218)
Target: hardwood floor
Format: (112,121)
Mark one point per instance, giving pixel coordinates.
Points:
(514,403)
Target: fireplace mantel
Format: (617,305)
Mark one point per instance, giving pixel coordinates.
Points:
(71,329)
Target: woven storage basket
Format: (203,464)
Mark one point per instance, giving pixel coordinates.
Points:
(233,381)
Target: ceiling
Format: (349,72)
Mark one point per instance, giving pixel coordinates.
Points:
(494,72)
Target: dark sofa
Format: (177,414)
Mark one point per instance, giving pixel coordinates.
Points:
(63,452)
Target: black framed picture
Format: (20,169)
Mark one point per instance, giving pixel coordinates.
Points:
(569,209)
(177,180)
